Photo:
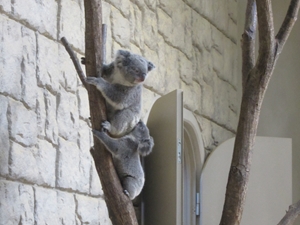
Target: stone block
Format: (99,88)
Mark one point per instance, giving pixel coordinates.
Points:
(66,208)
(5,6)
(185,68)
(23,124)
(23,165)
(165,25)
(151,4)
(72,23)
(67,115)
(84,136)
(122,5)
(137,26)
(46,160)
(192,96)
(51,124)
(201,35)
(120,28)
(172,76)
(168,6)
(73,167)
(87,210)
(4,137)
(45,15)
(148,97)
(17,203)
(220,15)
(41,113)
(104,217)
(68,74)
(46,209)
(154,79)
(28,68)
(83,103)
(47,56)
(182,28)
(35,165)
(95,186)
(149,28)
(17,48)
(207,101)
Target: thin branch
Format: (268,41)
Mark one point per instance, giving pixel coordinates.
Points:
(248,40)
(287,25)
(74,60)
(266,37)
(291,215)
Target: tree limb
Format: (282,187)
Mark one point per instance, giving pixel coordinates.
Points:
(74,60)
(266,38)
(287,25)
(291,215)
(248,41)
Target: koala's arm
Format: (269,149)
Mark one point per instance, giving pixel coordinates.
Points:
(145,146)
(115,94)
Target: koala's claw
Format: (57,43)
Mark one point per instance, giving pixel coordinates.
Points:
(105,126)
(126,192)
(91,80)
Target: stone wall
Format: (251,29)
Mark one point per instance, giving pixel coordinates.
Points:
(47,175)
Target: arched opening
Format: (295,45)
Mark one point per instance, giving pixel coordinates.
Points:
(193,159)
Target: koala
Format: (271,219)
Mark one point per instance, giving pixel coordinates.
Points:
(121,86)
(126,152)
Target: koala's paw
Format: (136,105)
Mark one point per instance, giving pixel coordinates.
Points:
(91,80)
(145,147)
(126,192)
(105,126)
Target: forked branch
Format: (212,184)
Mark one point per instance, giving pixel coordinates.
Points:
(287,25)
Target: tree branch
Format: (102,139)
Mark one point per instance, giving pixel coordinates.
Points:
(291,215)
(248,41)
(74,60)
(287,24)
(266,38)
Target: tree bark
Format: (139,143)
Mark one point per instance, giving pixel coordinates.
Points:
(256,77)
(120,208)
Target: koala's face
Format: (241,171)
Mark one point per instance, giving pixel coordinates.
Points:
(133,67)
(141,131)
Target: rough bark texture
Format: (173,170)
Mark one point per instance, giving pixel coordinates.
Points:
(256,77)
(120,208)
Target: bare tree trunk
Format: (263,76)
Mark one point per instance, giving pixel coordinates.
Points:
(120,208)
(256,76)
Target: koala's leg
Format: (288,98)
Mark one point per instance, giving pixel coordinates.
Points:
(113,145)
(132,186)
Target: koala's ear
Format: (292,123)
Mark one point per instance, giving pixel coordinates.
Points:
(150,66)
(123,53)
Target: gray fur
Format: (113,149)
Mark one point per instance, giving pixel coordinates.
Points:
(121,86)
(126,153)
